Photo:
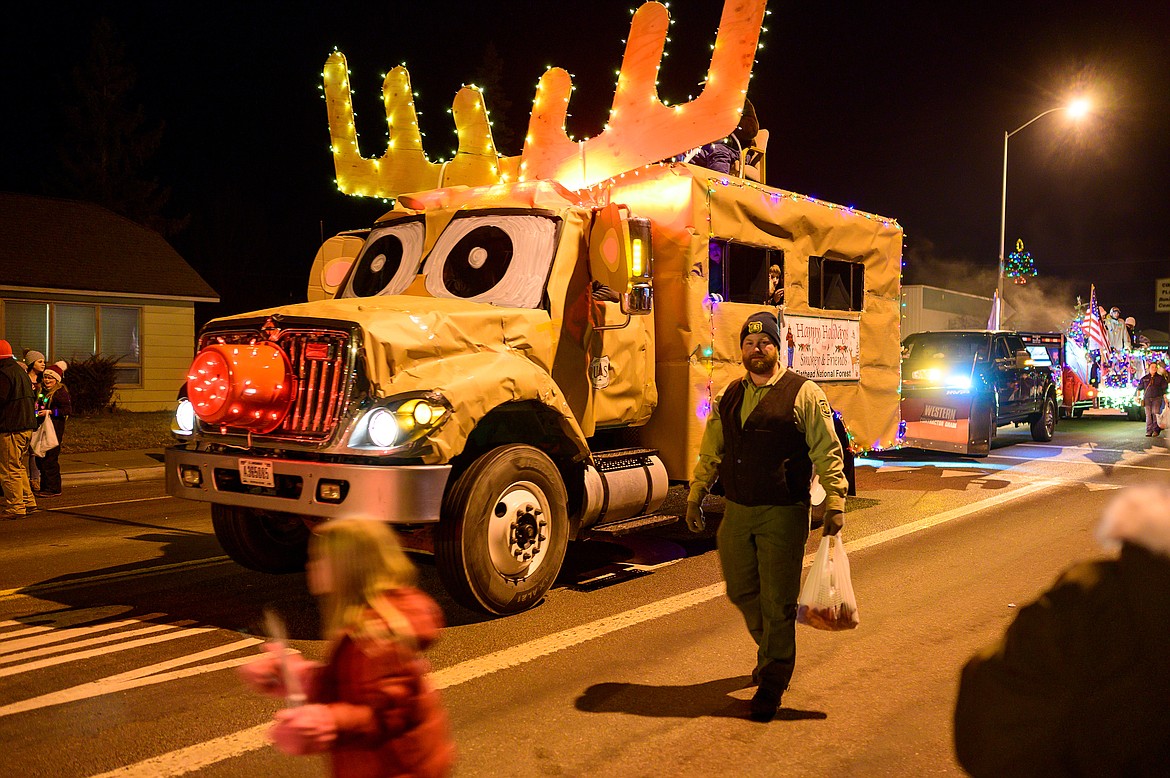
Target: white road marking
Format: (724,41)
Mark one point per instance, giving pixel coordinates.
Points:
(111,502)
(25,668)
(8,646)
(28,591)
(195,757)
(143,676)
(48,620)
(60,648)
(1080,462)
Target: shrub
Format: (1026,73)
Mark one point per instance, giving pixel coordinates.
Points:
(91,384)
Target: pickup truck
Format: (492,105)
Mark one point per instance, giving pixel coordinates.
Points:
(959,387)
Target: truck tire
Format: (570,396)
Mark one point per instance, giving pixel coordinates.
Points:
(504,531)
(267,542)
(1044,422)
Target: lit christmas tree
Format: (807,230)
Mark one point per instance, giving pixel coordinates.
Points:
(1019,266)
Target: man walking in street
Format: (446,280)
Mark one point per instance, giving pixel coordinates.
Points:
(17,421)
(765,435)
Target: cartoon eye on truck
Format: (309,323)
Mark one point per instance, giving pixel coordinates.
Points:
(526,354)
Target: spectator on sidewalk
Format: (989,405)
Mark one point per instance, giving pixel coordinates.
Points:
(54,403)
(35,364)
(1078,685)
(17,422)
(1153,386)
(372,706)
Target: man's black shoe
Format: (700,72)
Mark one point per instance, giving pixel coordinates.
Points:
(764,704)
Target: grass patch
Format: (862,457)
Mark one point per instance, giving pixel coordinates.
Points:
(118,430)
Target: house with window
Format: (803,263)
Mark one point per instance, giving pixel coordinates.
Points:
(77,280)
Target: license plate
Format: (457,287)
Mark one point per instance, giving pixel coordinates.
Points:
(256,472)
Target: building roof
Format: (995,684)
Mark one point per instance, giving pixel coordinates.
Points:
(69,245)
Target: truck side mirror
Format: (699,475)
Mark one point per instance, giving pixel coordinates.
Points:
(609,249)
(332,264)
(1024,359)
(621,258)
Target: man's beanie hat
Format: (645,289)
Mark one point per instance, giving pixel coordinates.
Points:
(5,349)
(32,356)
(761,322)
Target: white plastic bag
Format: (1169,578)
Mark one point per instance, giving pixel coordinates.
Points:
(826,600)
(1163,418)
(44,438)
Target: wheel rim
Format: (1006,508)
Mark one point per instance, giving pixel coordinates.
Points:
(518,535)
(1049,418)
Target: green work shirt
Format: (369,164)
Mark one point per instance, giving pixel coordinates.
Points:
(813,418)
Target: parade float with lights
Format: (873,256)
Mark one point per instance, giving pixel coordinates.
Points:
(524,350)
(1104,361)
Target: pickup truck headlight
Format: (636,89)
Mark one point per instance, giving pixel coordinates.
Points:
(400,421)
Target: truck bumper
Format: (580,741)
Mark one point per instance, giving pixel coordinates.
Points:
(400,494)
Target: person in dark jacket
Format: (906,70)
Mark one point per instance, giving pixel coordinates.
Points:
(17,422)
(1080,682)
(766,435)
(53,403)
(722,155)
(372,705)
(1153,385)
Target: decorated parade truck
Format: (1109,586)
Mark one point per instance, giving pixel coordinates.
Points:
(524,351)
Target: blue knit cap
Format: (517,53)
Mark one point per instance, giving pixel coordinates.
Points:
(762,322)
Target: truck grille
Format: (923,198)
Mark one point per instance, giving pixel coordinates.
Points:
(322,367)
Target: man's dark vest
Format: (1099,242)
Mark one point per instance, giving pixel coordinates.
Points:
(765,460)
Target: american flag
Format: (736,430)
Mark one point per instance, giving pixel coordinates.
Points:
(1093,326)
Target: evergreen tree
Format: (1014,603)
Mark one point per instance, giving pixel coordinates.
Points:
(109,141)
(489,77)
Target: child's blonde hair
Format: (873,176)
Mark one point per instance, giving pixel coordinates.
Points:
(365,560)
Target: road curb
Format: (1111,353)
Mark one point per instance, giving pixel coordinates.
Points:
(113,476)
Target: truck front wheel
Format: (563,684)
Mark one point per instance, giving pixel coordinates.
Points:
(1044,423)
(504,531)
(265,541)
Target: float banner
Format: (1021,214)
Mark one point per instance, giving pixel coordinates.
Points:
(821,349)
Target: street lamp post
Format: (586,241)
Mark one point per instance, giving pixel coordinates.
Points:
(1076,109)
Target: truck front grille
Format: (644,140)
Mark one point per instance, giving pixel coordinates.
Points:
(322,367)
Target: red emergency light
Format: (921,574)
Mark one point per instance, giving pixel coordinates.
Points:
(246,385)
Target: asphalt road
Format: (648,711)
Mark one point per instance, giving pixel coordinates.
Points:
(121,621)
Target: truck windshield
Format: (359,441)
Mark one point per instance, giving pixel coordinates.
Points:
(498,258)
(949,347)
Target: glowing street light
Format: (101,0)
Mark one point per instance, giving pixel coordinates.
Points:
(1076,109)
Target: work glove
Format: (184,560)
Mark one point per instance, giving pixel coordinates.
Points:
(309,729)
(695,521)
(834,521)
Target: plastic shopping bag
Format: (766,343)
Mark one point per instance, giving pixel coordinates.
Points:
(44,438)
(826,600)
(1163,418)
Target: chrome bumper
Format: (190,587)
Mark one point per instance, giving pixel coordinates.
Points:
(400,494)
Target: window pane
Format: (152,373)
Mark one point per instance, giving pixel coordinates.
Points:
(127,376)
(26,326)
(120,334)
(74,332)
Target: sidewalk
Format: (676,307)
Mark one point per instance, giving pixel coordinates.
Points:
(111,467)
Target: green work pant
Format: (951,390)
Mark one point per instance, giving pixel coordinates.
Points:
(761,550)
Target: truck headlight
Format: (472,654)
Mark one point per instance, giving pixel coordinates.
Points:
(382,428)
(403,421)
(184,421)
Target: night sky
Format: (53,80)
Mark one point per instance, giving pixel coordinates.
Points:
(896,108)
